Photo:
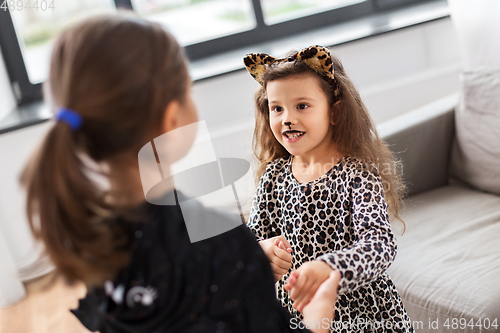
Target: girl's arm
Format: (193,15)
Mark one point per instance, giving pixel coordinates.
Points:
(374,247)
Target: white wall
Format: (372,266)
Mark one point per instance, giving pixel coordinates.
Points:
(395,73)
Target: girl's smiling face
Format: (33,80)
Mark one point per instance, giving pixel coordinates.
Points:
(300,101)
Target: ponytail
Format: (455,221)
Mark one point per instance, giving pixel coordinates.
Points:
(80,238)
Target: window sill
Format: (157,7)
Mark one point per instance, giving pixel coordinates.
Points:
(229,62)
(24,116)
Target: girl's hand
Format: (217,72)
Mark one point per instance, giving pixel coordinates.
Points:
(322,305)
(304,282)
(277,250)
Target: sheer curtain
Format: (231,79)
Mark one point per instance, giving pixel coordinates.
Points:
(21,257)
(478,26)
(11,287)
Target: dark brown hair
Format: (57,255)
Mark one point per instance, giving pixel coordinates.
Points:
(119,73)
(354,132)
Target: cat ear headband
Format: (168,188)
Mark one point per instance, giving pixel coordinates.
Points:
(316,57)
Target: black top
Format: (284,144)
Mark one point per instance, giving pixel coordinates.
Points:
(220,284)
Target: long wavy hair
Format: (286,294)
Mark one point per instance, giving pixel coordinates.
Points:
(119,73)
(354,132)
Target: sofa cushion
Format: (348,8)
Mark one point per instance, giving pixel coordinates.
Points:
(476,151)
(448,261)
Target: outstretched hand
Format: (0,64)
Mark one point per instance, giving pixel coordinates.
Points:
(322,305)
(305,281)
(278,251)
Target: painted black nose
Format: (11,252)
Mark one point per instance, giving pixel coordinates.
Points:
(288,123)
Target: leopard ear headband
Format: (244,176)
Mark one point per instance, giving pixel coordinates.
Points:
(316,57)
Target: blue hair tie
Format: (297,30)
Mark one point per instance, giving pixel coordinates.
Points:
(70,117)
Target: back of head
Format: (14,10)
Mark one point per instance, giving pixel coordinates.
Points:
(118,73)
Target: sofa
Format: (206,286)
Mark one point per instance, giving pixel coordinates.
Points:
(447,268)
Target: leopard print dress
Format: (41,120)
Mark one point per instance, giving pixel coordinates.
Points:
(340,218)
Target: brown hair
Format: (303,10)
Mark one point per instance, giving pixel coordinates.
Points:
(354,132)
(119,73)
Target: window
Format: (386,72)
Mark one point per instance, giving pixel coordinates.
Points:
(37,29)
(276,11)
(204,27)
(198,20)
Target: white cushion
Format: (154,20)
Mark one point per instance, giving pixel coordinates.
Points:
(475,157)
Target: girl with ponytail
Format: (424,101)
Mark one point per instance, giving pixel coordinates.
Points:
(116,83)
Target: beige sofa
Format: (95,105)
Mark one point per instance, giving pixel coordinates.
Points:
(447,269)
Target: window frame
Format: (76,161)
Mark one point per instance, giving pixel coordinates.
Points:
(26,92)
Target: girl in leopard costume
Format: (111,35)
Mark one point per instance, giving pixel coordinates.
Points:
(327,186)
